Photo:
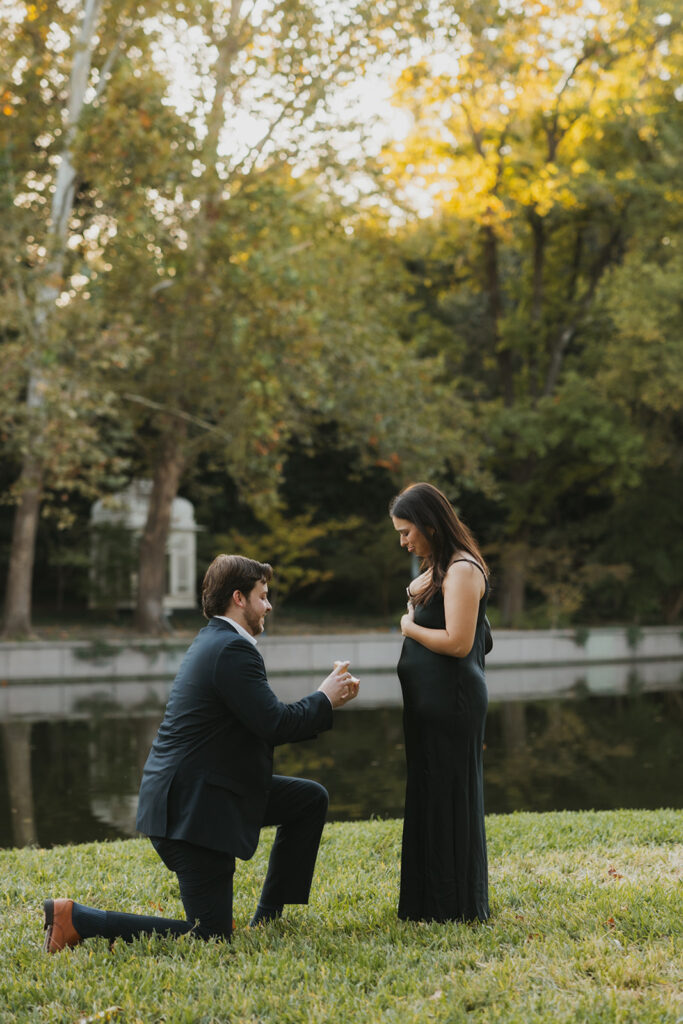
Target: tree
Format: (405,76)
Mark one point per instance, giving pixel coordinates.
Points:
(547,135)
(58,59)
(300,327)
(252,291)
(642,372)
(29,491)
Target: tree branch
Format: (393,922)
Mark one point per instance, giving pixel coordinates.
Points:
(566,336)
(476,137)
(257,148)
(109,63)
(177,413)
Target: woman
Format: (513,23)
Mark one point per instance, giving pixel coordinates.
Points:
(444,875)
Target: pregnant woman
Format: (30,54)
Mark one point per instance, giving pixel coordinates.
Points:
(444,875)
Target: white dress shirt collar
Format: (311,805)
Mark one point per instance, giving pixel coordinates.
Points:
(240,629)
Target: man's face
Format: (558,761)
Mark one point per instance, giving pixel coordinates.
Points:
(256,607)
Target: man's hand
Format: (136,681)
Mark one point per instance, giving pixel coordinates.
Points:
(340,686)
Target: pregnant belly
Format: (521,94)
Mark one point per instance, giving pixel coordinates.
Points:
(438,691)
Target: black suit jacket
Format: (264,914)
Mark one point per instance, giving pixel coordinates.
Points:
(207,776)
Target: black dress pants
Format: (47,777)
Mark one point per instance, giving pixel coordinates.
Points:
(297,806)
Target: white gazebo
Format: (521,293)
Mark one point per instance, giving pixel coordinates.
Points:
(117,522)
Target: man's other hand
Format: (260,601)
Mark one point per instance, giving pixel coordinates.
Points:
(340,686)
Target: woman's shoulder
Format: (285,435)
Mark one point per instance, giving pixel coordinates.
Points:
(463,559)
(462,564)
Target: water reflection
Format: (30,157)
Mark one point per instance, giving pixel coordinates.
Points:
(73,755)
(595,752)
(16,742)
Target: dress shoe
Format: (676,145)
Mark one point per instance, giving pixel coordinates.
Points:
(59,929)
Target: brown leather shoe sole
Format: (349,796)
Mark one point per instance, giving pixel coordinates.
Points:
(58,926)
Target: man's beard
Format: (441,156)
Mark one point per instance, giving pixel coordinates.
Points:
(254,623)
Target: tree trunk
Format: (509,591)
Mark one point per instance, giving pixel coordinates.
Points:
(495,308)
(22,554)
(149,612)
(672,608)
(514,583)
(538,232)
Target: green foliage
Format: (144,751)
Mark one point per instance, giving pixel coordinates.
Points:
(96,652)
(219,295)
(634,635)
(370,569)
(585,926)
(209,271)
(645,529)
(549,268)
(581,634)
(113,558)
(290,545)
(56,357)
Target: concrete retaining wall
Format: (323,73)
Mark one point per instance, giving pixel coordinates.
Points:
(380,651)
(368,652)
(78,680)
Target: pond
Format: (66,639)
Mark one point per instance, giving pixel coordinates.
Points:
(73,777)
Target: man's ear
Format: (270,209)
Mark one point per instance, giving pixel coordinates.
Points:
(238,598)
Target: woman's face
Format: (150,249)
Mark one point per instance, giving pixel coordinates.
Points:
(411,538)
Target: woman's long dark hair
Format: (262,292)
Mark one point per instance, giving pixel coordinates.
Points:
(432,513)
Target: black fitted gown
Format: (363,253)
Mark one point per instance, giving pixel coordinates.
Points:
(444,872)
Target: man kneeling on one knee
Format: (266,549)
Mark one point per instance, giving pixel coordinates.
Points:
(208,786)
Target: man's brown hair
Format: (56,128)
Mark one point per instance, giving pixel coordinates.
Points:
(225,575)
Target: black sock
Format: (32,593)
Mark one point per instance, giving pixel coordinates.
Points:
(88,922)
(266,913)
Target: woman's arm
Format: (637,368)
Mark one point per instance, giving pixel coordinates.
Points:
(463,587)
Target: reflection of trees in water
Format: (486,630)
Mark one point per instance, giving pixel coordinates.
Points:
(78,764)
(16,742)
(589,751)
(62,783)
(361,762)
(597,752)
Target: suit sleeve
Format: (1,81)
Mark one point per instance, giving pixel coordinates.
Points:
(241,681)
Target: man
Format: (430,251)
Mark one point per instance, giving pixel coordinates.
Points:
(207,787)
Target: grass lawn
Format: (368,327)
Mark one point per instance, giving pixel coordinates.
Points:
(586,926)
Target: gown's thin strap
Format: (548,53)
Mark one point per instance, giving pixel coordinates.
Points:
(471,562)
